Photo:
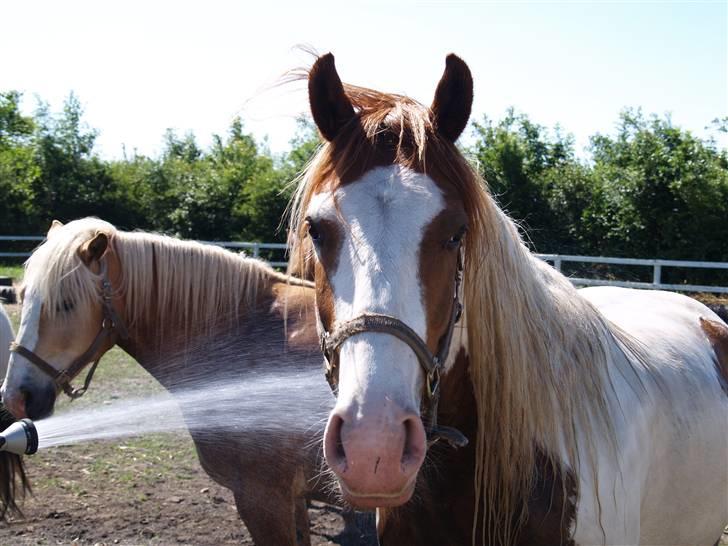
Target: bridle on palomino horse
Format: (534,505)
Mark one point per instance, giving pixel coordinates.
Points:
(432,364)
(110,324)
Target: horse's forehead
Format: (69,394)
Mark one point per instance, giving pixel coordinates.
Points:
(394,200)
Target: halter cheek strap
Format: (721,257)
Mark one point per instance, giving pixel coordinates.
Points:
(431,364)
(110,324)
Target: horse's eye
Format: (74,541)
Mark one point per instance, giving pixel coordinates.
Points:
(454,241)
(65,306)
(313,230)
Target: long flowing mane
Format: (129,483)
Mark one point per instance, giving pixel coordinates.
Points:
(187,281)
(538,350)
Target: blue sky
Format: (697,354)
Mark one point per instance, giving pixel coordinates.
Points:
(140,67)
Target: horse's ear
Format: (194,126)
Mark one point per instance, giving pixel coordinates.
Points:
(94,249)
(453,99)
(330,107)
(55,224)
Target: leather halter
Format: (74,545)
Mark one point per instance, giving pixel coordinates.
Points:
(431,364)
(110,324)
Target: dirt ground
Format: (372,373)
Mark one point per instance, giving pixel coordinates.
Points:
(140,491)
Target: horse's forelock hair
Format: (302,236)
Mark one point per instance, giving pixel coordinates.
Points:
(538,350)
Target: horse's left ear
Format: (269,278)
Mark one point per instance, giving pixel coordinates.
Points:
(453,99)
(330,107)
(94,249)
(55,224)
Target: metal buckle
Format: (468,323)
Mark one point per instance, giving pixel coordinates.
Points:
(62,378)
(433,380)
(76,393)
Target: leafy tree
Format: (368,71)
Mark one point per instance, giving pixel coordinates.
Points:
(523,164)
(650,190)
(73,182)
(18,167)
(268,193)
(664,191)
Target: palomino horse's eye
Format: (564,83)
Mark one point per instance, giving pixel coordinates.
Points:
(65,306)
(312,230)
(454,241)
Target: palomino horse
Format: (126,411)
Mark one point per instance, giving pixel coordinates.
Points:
(597,416)
(159,298)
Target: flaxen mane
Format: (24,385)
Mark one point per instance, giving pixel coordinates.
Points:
(189,281)
(538,350)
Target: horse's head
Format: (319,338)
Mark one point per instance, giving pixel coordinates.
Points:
(381,210)
(63,319)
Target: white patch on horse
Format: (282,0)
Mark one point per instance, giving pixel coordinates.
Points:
(386,213)
(662,433)
(27,337)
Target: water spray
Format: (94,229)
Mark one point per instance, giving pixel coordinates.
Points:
(20,438)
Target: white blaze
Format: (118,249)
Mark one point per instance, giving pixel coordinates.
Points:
(27,337)
(385,214)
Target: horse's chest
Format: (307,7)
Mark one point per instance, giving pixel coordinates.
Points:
(443,509)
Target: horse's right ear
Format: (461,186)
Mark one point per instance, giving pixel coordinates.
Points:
(55,224)
(330,107)
(93,249)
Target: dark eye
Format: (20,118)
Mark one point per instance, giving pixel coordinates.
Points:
(65,306)
(454,241)
(313,230)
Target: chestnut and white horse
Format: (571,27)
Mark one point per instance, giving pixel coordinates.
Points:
(597,416)
(191,315)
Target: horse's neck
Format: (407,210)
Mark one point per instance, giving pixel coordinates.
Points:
(174,353)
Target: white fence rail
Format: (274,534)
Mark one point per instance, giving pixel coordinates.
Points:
(558,260)
(254,249)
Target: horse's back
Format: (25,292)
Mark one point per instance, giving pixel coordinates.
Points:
(674,424)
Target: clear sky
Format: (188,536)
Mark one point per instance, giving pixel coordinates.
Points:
(140,67)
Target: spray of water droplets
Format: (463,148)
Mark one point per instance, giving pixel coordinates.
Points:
(273,403)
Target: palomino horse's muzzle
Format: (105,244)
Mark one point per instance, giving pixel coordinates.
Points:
(111,324)
(431,364)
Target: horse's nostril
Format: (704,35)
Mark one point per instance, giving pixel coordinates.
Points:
(338,425)
(415,442)
(334,445)
(340,452)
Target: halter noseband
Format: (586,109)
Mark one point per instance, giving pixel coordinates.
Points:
(431,364)
(110,323)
